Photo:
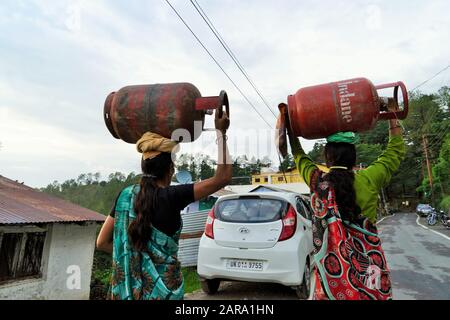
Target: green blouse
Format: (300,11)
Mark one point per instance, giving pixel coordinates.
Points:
(369,181)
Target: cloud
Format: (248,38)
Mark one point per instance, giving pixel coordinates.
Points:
(59,60)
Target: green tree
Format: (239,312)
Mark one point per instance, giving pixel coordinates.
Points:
(241,171)
(367,153)
(441,173)
(187,162)
(206,167)
(317,153)
(426,118)
(287,163)
(378,135)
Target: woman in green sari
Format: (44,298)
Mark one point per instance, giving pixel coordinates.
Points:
(144,226)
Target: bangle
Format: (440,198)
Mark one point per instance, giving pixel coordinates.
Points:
(223,136)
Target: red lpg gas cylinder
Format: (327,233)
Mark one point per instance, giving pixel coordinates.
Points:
(159,108)
(349,105)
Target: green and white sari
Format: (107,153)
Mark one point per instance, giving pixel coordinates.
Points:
(152,275)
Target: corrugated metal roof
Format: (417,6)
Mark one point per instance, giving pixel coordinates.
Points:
(222,192)
(20,204)
(188,252)
(194,221)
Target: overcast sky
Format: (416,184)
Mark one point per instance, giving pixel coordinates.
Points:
(59,59)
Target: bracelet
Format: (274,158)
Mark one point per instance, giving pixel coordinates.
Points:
(224,137)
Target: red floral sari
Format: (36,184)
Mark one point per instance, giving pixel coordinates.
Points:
(349,263)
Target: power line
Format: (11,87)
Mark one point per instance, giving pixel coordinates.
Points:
(434,76)
(435,142)
(432,114)
(216,33)
(219,37)
(439,137)
(442,132)
(217,63)
(412,169)
(236,61)
(438,131)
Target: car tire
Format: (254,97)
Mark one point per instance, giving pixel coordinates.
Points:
(210,286)
(304,289)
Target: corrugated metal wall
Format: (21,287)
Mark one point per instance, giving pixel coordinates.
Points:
(193,227)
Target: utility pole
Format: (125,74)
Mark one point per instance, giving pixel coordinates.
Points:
(430,175)
(440,182)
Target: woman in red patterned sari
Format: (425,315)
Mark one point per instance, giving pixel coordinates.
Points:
(348,261)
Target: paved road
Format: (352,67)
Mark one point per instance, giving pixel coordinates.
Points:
(418,258)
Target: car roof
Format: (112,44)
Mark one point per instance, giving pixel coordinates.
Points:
(287,196)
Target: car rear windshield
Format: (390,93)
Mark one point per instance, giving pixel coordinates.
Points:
(250,210)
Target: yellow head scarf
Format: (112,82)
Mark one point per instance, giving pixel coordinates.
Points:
(152,144)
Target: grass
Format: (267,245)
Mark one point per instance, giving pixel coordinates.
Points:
(191,281)
(101,276)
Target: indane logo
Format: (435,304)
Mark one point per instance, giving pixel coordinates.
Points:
(345,102)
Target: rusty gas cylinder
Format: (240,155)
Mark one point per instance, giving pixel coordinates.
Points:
(349,105)
(159,108)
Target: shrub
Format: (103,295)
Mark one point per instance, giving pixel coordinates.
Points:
(445,203)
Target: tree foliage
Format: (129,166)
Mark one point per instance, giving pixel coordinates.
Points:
(89,191)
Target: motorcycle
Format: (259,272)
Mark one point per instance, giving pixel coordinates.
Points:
(444,219)
(432,218)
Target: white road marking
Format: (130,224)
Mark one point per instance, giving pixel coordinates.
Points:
(425,227)
(385,218)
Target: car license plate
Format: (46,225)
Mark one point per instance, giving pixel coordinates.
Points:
(251,265)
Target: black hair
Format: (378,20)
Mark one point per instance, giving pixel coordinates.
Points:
(153,170)
(343,155)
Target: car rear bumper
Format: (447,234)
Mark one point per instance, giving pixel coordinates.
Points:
(284,263)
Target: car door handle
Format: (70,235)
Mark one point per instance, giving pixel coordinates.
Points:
(304,228)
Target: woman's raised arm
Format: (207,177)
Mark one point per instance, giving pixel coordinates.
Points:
(224,171)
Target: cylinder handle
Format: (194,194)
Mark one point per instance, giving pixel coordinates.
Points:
(216,102)
(395,114)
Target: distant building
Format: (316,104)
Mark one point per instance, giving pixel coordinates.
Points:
(271,177)
(46,245)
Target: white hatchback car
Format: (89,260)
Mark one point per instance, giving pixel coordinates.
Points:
(257,237)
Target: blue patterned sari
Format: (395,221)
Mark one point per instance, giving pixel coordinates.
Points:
(152,275)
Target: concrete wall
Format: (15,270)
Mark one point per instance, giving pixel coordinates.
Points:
(66,266)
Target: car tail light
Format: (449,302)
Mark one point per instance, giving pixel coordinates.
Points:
(210,224)
(289,224)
